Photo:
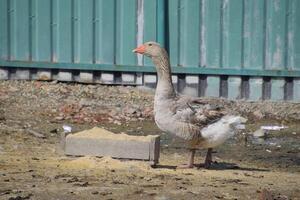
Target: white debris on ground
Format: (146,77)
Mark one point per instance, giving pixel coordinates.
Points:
(263,131)
(67,129)
(273,128)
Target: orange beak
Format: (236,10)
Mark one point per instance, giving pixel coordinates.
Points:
(141,49)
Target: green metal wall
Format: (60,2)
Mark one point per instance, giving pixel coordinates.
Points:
(223,46)
(235,34)
(72,31)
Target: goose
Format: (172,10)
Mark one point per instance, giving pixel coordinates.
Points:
(199,123)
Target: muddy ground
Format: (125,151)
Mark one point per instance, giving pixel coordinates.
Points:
(32,164)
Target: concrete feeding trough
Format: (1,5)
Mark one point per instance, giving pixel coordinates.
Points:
(101,142)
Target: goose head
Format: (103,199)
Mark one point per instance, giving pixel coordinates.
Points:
(149,49)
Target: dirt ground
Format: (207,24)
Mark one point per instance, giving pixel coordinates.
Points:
(33,166)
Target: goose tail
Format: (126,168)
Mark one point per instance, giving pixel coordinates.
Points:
(234,122)
(218,132)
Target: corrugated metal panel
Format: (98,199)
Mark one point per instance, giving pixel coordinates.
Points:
(237,35)
(256,34)
(293,36)
(4,38)
(62,39)
(227,47)
(211,34)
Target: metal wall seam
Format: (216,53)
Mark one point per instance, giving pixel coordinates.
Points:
(140,28)
(275,34)
(232,33)
(150,24)
(76,31)
(253,35)
(4,30)
(293,60)
(161,22)
(126,32)
(173,22)
(189,32)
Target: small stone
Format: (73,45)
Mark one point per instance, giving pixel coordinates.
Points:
(117,123)
(266,195)
(54,130)
(138,191)
(85,184)
(16,198)
(117,182)
(95,192)
(104,193)
(73,179)
(2,117)
(36,134)
(259,133)
(59,118)
(258,114)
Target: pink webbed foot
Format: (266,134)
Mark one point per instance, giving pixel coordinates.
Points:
(185,166)
(190,162)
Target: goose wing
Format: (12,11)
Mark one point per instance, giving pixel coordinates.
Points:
(196,111)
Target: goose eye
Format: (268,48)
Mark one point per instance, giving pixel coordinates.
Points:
(150,45)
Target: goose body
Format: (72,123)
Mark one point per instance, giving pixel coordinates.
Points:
(200,124)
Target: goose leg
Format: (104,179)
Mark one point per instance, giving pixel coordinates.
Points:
(190,162)
(208,159)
